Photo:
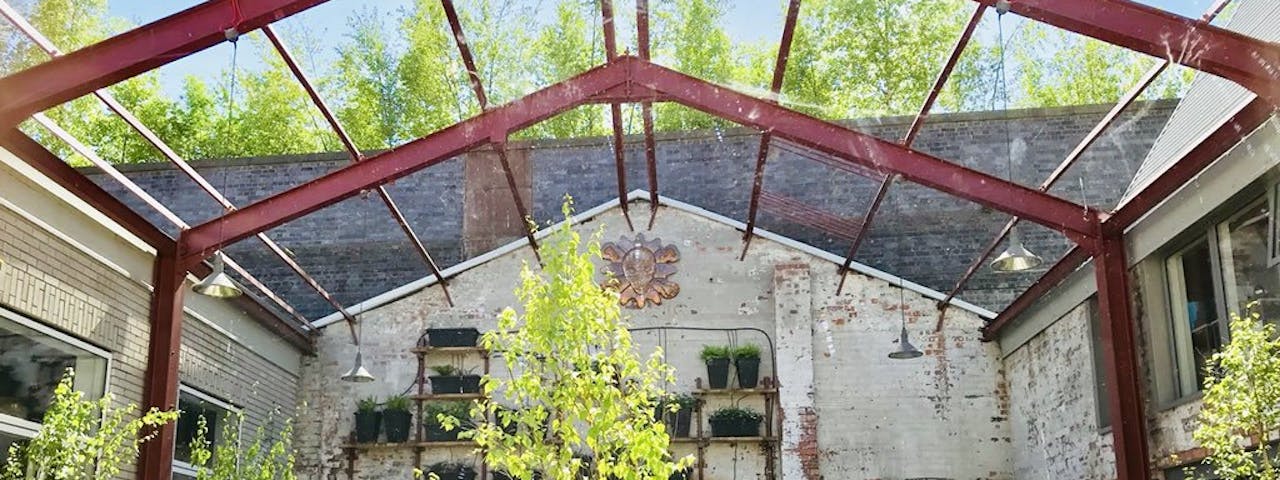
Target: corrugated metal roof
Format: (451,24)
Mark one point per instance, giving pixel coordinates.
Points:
(1209,100)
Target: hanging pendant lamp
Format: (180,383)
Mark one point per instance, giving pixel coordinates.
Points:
(906,350)
(358,374)
(1015,257)
(218,284)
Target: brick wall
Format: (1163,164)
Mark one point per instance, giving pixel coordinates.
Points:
(356,250)
(54,282)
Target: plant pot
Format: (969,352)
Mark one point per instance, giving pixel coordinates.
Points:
(434,432)
(718,373)
(453,472)
(748,372)
(454,384)
(397,424)
(470,383)
(501,475)
(452,337)
(735,428)
(678,423)
(680,475)
(368,426)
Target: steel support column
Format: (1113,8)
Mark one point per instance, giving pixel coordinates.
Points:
(1120,357)
(1245,60)
(615,112)
(646,112)
(160,385)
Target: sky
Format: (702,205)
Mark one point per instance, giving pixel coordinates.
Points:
(745,21)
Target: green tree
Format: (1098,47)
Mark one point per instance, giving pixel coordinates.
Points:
(371,100)
(569,46)
(579,388)
(82,439)
(265,457)
(268,112)
(690,39)
(430,72)
(1242,401)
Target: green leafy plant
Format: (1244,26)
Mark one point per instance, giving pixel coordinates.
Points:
(457,413)
(736,414)
(715,352)
(83,439)
(1242,401)
(682,401)
(266,457)
(446,370)
(368,404)
(569,324)
(398,403)
(746,351)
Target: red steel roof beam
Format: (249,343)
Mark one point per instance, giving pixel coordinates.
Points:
(910,137)
(356,156)
(1088,140)
(1245,60)
(646,112)
(615,111)
(131,53)
(500,138)
(775,87)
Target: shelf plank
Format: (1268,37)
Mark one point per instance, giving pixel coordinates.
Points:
(449,350)
(736,391)
(448,396)
(410,445)
(742,439)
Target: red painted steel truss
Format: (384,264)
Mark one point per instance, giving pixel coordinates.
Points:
(626,79)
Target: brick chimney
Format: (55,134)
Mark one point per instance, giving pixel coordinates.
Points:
(489,217)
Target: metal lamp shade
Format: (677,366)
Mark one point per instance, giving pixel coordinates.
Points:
(1016,257)
(905,350)
(218,284)
(358,374)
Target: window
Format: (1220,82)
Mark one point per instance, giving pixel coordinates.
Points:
(192,405)
(1213,279)
(1100,395)
(33,358)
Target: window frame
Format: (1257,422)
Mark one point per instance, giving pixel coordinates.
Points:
(185,468)
(1184,376)
(27,429)
(1102,410)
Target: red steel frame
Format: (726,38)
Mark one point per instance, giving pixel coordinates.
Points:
(615,112)
(499,142)
(646,112)
(1122,22)
(775,88)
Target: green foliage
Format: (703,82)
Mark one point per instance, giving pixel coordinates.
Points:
(83,439)
(368,404)
(448,413)
(715,352)
(736,414)
(679,402)
(398,403)
(446,370)
(746,351)
(1242,401)
(265,457)
(570,323)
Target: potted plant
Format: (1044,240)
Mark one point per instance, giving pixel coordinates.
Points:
(678,420)
(717,359)
(368,420)
(397,420)
(746,361)
(453,471)
(435,431)
(452,337)
(735,422)
(451,379)
(684,474)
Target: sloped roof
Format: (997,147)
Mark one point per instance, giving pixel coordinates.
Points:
(415,286)
(1209,101)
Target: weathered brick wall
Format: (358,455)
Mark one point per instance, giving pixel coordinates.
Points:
(869,417)
(56,283)
(356,250)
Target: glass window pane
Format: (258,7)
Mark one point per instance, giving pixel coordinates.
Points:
(31,365)
(191,408)
(7,440)
(1197,327)
(1247,278)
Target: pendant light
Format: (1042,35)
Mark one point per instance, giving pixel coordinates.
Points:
(358,374)
(218,284)
(1015,257)
(906,350)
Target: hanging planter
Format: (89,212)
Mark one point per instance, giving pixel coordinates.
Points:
(368,421)
(717,360)
(746,361)
(735,422)
(452,337)
(449,379)
(434,431)
(453,471)
(397,420)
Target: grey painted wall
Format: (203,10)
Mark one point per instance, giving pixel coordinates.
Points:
(356,250)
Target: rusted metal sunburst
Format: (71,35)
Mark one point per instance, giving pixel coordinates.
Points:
(640,270)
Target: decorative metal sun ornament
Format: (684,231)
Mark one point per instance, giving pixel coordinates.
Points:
(640,270)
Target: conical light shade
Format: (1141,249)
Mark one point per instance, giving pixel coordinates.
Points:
(358,374)
(1016,257)
(905,349)
(218,284)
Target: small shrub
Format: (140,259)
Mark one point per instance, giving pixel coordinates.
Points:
(437,412)
(446,370)
(715,352)
(398,403)
(367,404)
(736,414)
(747,351)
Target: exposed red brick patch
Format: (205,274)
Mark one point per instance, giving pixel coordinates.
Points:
(807,448)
